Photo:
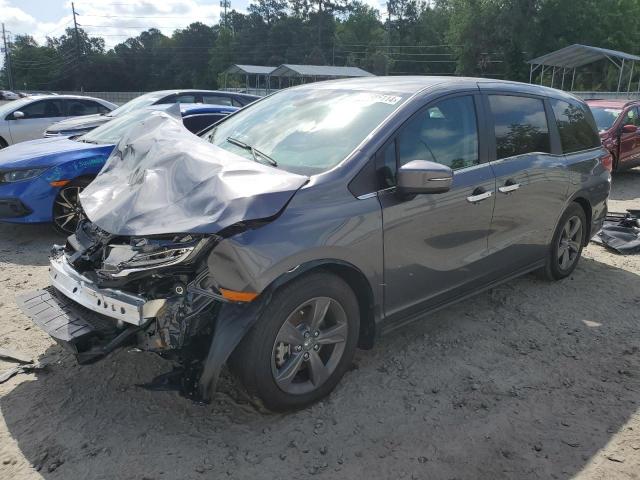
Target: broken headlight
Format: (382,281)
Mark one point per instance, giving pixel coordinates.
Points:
(143,254)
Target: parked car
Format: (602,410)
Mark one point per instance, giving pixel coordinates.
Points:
(8,95)
(26,118)
(40,180)
(618,122)
(78,126)
(311,222)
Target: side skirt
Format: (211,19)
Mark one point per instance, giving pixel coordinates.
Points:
(402,321)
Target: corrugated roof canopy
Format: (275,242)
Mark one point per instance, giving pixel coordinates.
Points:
(287,70)
(578,55)
(250,69)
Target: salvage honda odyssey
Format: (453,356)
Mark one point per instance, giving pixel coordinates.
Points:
(316,219)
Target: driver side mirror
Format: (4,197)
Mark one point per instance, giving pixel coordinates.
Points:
(422,176)
(629,129)
(17,115)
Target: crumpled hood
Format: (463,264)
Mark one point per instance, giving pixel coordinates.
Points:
(162,179)
(45,152)
(77,123)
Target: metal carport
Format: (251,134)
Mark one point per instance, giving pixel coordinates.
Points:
(249,70)
(575,56)
(315,72)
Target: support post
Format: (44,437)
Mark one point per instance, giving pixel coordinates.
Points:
(564,71)
(620,76)
(542,75)
(573,78)
(633,64)
(531,73)
(553,76)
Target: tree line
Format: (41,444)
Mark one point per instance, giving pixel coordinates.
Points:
(489,38)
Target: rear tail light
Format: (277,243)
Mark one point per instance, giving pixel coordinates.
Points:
(607,161)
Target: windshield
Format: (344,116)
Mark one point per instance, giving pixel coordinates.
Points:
(113,131)
(605,117)
(137,103)
(305,131)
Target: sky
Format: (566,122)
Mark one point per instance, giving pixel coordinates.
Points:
(114,20)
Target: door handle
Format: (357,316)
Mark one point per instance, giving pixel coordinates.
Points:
(478,197)
(509,188)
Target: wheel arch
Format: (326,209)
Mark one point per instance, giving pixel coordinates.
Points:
(3,141)
(356,280)
(588,211)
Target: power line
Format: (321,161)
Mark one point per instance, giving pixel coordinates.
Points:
(131,16)
(132,26)
(57,28)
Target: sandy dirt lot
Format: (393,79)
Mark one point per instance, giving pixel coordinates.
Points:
(531,380)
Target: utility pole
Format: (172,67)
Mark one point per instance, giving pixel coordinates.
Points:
(7,59)
(75,27)
(225,4)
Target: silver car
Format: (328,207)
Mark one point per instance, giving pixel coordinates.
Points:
(27,118)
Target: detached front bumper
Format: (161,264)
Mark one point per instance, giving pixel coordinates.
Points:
(116,304)
(75,312)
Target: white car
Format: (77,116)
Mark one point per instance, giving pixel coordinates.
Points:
(27,118)
(8,95)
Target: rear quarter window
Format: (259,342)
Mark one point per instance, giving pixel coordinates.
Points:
(576,125)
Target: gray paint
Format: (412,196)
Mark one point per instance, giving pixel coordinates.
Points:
(420,254)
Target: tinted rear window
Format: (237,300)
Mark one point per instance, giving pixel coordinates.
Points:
(576,125)
(520,125)
(197,123)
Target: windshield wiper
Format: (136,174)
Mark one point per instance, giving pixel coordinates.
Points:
(254,151)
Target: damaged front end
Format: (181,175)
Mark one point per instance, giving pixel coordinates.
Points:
(153,293)
(126,278)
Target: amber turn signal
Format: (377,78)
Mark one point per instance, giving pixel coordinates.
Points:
(238,296)
(59,183)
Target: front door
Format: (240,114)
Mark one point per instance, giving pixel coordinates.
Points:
(437,243)
(629,142)
(37,117)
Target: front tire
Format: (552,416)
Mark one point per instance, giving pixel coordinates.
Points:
(302,344)
(67,211)
(566,246)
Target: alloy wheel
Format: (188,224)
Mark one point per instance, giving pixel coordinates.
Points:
(309,345)
(569,243)
(67,210)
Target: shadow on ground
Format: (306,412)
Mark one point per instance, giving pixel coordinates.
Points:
(626,186)
(27,244)
(530,380)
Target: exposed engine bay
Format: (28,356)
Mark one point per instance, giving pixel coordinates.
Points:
(164,279)
(126,278)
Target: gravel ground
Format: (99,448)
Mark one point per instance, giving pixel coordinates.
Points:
(531,380)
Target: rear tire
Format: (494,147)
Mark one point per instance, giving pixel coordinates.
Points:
(566,246)
(3,143)
(67,211)
(302,344)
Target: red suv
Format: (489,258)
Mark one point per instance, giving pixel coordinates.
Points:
(618,123)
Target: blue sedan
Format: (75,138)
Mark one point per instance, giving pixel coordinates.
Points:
(40,181)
